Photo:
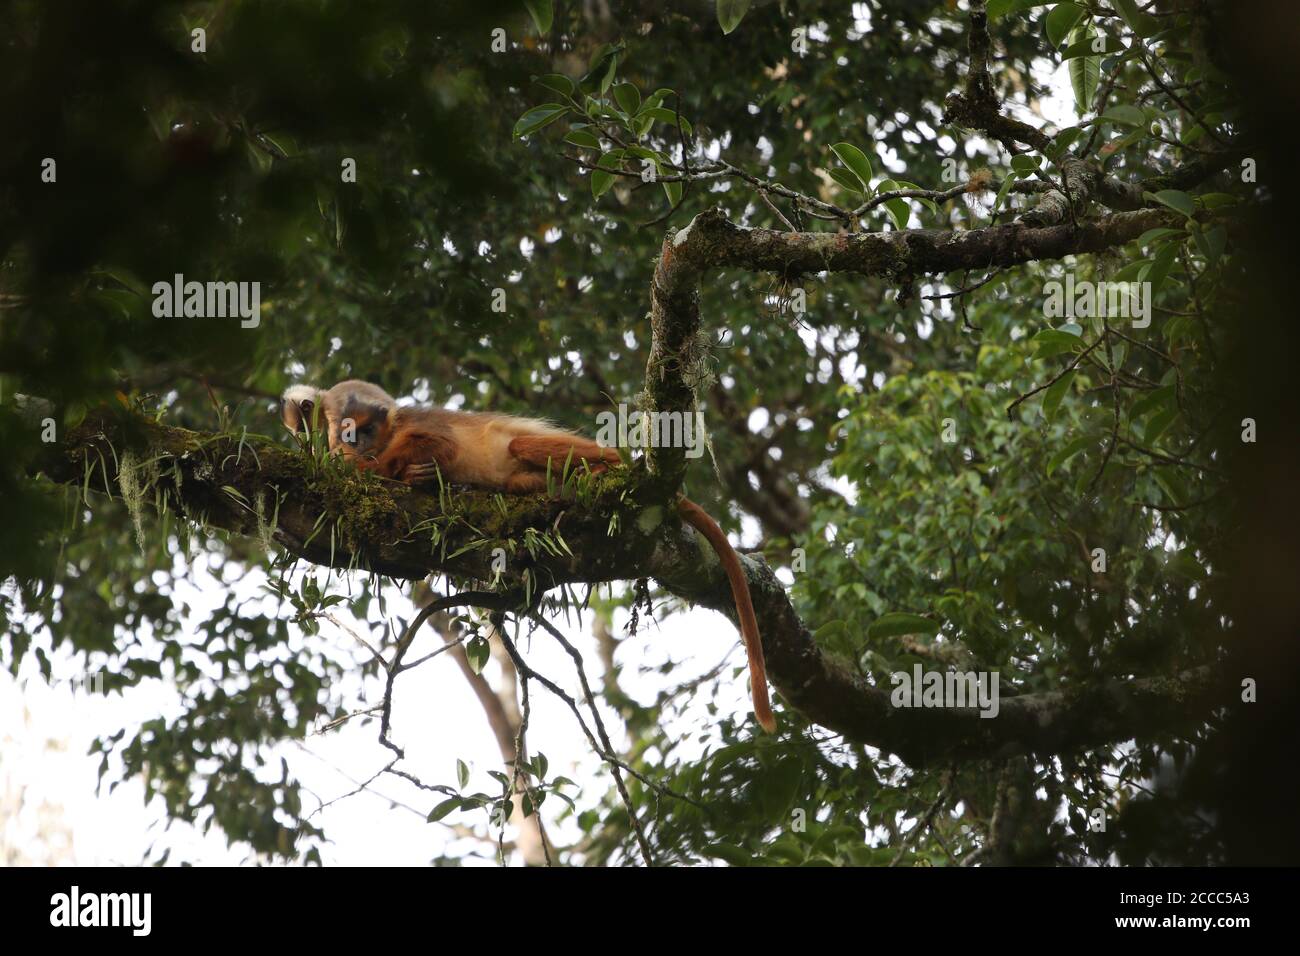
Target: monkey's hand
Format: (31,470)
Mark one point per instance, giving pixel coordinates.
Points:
(419,476)
(415,457)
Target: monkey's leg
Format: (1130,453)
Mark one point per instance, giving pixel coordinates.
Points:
(538,449)
(526,482)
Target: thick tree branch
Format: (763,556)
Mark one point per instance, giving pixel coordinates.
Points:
(670,370)
(712,241)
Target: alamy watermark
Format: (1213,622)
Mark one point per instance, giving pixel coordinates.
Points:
(208,300)
(1086,300)
(946,689)
(638,429)
(103,909)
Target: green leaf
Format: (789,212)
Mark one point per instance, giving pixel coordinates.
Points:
(898,623)
(583,138)
(929,204)
(1085,66)
(1160,266)
(899,212)
(1127,114)
(1160,232)
(557,82)
(730,13)
(1185,563)
(673,190)
(1093,46)
(601,180)
(1176,200)
(1052,342)
(1061,21)
(665,115)
(857,162)
(1178,330)
(462,773)
(1001,8)
(846,179)
(542,13)
(1024,164)
(1053,396)
(1191,134)
(828,630)
(1133,271)
(1068,452)
(642,152)
(1007,183)
(727,852)
(477,653)
(598,65)
(628,98)
(1217,200)
(898,209)
(1143,24)
(444,808)
(538,117)
(1158,425)
(1212,242)
(603,67)
(1063,141)
(1163,397)
(1174,488)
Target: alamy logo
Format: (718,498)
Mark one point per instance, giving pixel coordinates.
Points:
(946,689)
(103,909)
(208,300)
(1086,300)
(638,429)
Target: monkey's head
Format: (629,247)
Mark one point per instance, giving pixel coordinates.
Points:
(360,417)
(298,404)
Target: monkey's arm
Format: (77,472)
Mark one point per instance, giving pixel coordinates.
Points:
(410,455)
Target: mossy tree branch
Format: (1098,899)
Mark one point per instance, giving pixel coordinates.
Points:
(334,516)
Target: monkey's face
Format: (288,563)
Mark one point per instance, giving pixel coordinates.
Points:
(362,431)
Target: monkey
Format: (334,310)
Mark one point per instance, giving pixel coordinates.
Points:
(415,445)
(498,452)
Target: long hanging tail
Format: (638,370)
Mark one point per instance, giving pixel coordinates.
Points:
(696,517)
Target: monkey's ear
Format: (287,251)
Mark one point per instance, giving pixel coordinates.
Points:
(297,404)
(296,414)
